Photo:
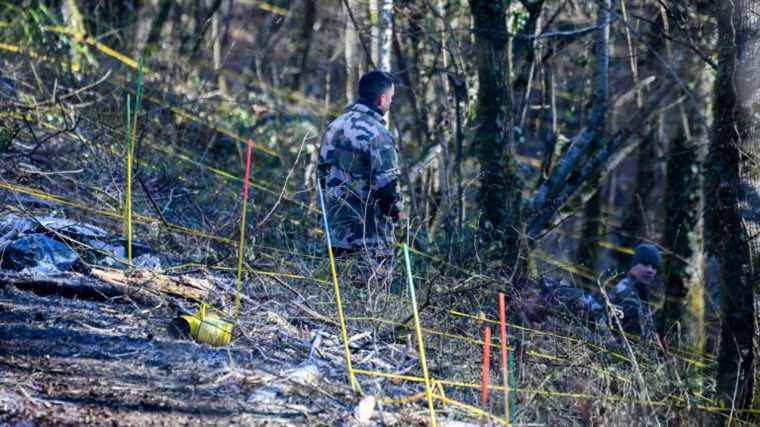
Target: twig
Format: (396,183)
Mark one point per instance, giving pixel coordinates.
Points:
(285,184)
(152,202)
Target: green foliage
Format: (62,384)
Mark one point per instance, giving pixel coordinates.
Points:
(519,20)
(6,138)
(32,23)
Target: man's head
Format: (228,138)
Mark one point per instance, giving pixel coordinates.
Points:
(377,88)
(646,262)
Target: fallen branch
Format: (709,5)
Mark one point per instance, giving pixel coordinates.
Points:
(183,286)
(76,285)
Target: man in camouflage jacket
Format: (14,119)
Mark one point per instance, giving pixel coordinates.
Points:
(358,170)
(631,294)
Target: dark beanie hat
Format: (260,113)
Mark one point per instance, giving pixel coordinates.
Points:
(647,254)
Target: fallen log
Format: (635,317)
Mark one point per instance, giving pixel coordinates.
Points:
(75,285)
(143,286)
(182,286)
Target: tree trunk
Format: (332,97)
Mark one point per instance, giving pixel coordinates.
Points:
(352,55)
(683,309)
(726,238)
(524,61)
(304,43)
(633,226)
(216,36)
(590,232)
(381,18)
(584,156)
(152,44)
(499,193)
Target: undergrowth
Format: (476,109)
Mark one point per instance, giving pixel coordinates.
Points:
(63,134)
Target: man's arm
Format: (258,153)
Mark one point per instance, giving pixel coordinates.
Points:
(384,176)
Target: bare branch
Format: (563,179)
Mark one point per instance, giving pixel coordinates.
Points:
(582,144)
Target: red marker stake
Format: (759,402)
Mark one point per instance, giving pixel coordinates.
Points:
(486,369)
(504,354)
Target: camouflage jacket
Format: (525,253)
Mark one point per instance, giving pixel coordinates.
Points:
(632,297)
(576,302)
(358,170)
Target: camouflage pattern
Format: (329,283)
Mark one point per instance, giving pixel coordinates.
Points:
(632,297)
(358,170)
(577,302)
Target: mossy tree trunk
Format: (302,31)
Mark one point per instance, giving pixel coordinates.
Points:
(499,194)
(683,309)
(683,236)
(725,236)
(588,247)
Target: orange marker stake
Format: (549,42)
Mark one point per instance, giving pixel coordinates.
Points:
(486,369)
(504,354)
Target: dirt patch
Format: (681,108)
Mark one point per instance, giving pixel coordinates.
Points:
(68,361)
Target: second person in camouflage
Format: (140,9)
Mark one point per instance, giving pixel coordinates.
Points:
(632,294)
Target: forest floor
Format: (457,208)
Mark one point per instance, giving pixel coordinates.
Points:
(72,361)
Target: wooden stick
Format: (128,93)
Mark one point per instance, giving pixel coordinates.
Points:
(504,354)
(241,246)
(486,368)
(128,190)
(131,138)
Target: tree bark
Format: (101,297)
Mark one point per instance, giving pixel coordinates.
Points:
(726,239)
(381,17)
(152,44)
(590,232)
(524,60)
(683,309)
(546,201)
(633,226)
(499,193)
(216,36)
(304,43)
(683,236)
(352,55)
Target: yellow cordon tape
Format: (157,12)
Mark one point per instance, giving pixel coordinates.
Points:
(135,65)
(92,42)
(128,61)
(223,173)
(470,409)
(148,220)
(351,377)
(418,329)
(572,339)
(117,215)
(10,48)
(460,384)
(113,213)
